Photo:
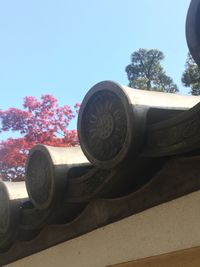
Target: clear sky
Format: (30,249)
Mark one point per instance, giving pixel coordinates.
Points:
(63,47)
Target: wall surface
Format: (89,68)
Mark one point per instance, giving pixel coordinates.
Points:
(169,227)
(184,258)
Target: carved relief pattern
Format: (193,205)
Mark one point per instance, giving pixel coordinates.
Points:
(104,125)
(84,188)
(93,184)
(176,135)
(39,180)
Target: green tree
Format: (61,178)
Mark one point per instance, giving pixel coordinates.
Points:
(146,72)
(191,76)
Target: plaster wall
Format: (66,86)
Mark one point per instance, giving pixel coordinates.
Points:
(169,227)
(182,258)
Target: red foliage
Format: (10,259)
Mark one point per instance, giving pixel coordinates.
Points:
(41,122)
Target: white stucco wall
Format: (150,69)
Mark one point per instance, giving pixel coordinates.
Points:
(168,227)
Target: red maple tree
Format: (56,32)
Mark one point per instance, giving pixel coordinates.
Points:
(40,122)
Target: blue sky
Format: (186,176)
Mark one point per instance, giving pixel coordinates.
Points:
(64,47)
